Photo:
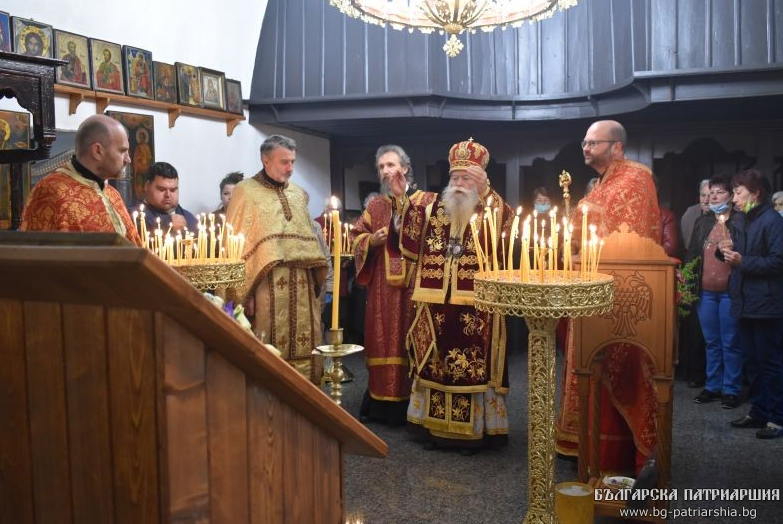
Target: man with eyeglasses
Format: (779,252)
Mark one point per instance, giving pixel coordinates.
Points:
(625,193)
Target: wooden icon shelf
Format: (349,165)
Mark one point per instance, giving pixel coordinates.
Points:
(103,100)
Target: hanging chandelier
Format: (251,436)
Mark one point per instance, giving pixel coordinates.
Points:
(450,16)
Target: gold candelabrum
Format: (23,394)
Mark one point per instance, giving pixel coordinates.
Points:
(209,258)
(542,303)
(336,350)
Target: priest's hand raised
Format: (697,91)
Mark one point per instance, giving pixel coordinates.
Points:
(479,177)
(398,184)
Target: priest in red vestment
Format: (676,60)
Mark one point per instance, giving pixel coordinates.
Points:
(458,354)
(625,193)
(389,279)
(77,196)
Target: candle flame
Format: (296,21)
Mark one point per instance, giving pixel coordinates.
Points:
(519,210)
(584,208)
(335,203)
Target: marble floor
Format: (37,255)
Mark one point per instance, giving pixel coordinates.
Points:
(412,485)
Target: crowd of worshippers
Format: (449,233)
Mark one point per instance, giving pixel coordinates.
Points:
(434,361)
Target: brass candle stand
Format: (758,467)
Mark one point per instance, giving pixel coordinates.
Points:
(542,305)
(212,274)
(336,350)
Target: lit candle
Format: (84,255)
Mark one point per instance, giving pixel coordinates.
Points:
(503,245)
(336,279)
(474,233)
(724,229)
(485,227)
(512,236)
(583,250)
(241,247)
(524,255)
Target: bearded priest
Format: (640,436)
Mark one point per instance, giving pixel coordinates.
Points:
(458,354)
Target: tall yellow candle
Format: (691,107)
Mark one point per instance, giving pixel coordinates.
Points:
(476,244)
(583,249)
(503,245)
(336,282)
(512,236)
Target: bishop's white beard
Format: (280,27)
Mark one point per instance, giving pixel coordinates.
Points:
(460,203)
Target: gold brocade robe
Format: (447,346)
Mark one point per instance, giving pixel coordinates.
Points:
(281,258)
(458,353)
(66,201)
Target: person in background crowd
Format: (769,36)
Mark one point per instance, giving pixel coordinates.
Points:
(721,330)
(777,202)
(695,211)
(755,254)
(227,186)
(670,238)
(161,201)
(541,200)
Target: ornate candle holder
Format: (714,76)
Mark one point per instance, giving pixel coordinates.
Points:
(542,305)
(336,350)
(212,275)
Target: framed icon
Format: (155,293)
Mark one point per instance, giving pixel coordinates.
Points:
(188,85)
(106,66)
(213,89)
(5,32)
(234,97)
(32,38)
(138,72)
(165,76)
(75,50)
(141,141)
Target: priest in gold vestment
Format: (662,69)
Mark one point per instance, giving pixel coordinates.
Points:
(284,265)
(77,197)
(458,354)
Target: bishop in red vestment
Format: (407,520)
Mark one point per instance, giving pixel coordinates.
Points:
(458,353)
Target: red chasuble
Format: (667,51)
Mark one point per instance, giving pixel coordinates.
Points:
(625,194)
(458,352)
(388,277)
(67,201)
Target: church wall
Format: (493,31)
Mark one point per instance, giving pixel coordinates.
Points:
(202,33)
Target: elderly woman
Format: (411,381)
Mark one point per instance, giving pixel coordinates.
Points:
(777,202)
(721,331)
(755,254)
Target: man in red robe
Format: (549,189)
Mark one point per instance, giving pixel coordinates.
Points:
(389,280)
(625,193)
(458,353)
(77,197)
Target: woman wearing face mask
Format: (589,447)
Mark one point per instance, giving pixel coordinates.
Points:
(723,368)
(541,201)
(755,254)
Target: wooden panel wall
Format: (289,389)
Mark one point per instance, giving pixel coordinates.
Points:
(309,50)
(236,453)
(113,416)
